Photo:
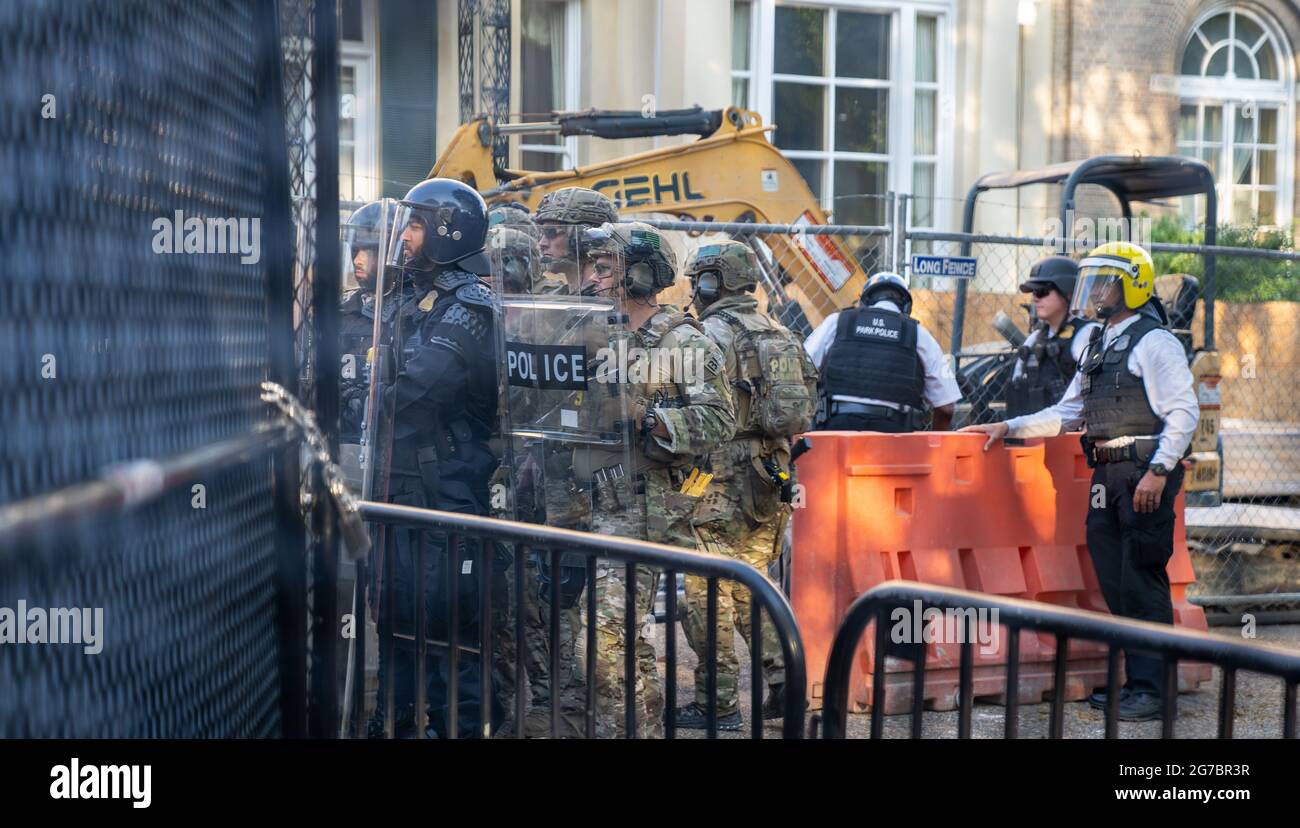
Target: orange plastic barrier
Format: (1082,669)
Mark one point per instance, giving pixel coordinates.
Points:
(934,507)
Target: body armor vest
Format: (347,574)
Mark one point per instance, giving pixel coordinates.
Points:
(1115,402)
(1048,366)
(874,356)
(356,323)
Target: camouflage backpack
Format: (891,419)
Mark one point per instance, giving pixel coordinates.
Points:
(778,375)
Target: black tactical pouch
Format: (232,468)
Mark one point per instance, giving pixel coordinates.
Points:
(573,578)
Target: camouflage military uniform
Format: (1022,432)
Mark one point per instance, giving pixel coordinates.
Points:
(646,502)
(738,517)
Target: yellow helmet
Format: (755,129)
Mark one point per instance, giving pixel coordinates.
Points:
(1119,264)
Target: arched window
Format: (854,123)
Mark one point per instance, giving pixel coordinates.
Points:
(1237,114)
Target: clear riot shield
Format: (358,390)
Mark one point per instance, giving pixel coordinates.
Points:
(367,323)
(395,304)
(562,248)
(564,415)
(364,239)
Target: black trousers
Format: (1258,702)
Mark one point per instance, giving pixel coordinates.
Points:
(1129,551)
(862,422)
(401,593)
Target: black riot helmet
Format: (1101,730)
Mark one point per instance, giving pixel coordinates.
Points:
(363,227)
(367,229)
(454,222)
(1059,272)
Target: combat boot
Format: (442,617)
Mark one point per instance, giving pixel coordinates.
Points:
(694,717)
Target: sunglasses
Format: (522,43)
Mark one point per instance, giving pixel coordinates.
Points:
(1042,292)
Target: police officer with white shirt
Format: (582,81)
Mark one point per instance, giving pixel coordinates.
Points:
(878,366)
(1135,396)
(1049,357)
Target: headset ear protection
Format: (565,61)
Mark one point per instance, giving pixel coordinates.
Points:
(646,271)
(708,285)
(639,280)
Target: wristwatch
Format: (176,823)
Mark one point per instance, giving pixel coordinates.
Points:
(1158,469)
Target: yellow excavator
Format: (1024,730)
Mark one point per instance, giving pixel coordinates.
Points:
(732,173)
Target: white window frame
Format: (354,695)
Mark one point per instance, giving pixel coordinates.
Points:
(1231,93)
(568,150)
(749,76)
(360,56)
(902,74)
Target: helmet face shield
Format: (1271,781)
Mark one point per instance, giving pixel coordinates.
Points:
(361,256)
(1099,293)
(559,243)
(600,260)
(407,238)
(441,222)
(364,238)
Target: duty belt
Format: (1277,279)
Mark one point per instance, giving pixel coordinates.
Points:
(867,410)
(431,447)
(1138,451)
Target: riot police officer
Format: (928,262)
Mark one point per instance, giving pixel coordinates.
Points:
(1047,360)
(879,367)
(1135,397)
(444,400)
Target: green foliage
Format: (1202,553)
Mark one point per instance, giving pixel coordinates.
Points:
(1237,278)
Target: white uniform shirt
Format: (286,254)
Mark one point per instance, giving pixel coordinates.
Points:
(1159,359)
(1078,342)
(940,381)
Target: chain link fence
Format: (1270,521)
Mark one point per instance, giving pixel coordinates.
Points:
(149,535)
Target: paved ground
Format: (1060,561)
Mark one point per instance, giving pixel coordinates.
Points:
(1259,706)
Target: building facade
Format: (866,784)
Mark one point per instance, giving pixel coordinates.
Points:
(868,96)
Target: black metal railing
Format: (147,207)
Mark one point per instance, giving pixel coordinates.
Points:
(1067,624)
(483,533)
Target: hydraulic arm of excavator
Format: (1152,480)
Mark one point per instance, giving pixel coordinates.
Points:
(731,174)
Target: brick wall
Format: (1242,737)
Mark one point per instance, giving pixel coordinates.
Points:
(1106,52)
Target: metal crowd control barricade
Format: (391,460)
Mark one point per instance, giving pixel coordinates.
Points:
(1066,624)
(555,542)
